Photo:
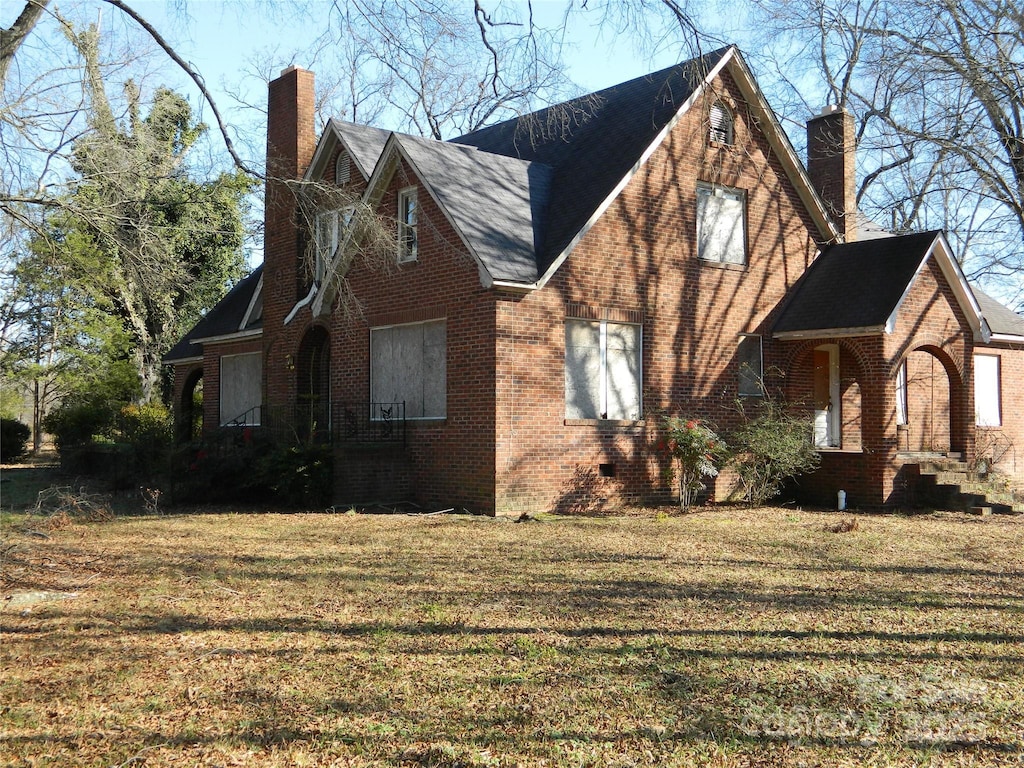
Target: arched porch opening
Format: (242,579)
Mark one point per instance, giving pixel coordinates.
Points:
(825,380)
(313,384)
(929,396)
(190,408)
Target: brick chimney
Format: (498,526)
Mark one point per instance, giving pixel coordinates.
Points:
(291,141)
(832,165)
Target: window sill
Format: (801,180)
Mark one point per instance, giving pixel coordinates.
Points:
(605,422)
(722,265)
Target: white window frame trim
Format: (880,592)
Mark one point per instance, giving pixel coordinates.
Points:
(979,418)
(603,374)
(404,194)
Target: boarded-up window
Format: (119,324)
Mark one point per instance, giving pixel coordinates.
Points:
(241,389)
(987,406)
(602,370)
(407,364)
(751,368)
(721,231)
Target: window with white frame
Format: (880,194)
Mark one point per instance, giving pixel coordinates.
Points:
(408,214)
(602,370)
(720,127)
(751,366)
(987,405)
(408,364)
(329,233)
(721,226)
(902,414)
(241,389)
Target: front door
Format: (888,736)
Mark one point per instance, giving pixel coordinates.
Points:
(826,396)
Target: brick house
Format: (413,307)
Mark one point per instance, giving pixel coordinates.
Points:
(559,281)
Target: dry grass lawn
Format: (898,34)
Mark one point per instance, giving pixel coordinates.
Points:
(726,637)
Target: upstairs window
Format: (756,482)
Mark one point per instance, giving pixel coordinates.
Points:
(407,216)
(602,370)
(342,169)
(329,234)
(720,124)
(721,225)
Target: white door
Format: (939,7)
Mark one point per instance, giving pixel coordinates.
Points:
(826,396)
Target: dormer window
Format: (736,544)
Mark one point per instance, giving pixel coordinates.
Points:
(329,234)
(720,124)
(342,169)
(407,216)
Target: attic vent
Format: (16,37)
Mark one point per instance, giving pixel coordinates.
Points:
(720,119)
(342,168)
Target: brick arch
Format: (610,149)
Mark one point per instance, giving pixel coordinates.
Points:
(849,345)
(313,380)
(949,405)
(190,417)
(853,386)
(950,358)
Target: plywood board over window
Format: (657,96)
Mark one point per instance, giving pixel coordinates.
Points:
(241,389)
(721,224)
(602,370)
(987,405)
(408,364)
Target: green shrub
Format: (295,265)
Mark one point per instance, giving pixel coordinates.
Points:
(695,450)
(298,475)
(771,447)
(80,422)
(13,439)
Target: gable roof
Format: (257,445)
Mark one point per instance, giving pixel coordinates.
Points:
(1006,325)
(364,144)
(533,185)
(231,317)
(855,289)
(595,143)
(498,212)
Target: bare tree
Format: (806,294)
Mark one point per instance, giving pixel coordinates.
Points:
(938,92)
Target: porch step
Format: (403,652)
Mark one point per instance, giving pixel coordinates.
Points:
(951,482)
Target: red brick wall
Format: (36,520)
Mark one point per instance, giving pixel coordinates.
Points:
(932,333)
(640,261)
(1006,442)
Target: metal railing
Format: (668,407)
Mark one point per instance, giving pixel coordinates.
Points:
(327,423)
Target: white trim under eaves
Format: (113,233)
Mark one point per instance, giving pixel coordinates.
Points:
(958,284)
(1006,338)
(827,333)
(199,359)
(229,336)
(247,317)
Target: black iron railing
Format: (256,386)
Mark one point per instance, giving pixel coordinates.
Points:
(331,423)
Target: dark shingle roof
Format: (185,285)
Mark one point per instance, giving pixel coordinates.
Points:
(591,143)
(494,201)
(225,318)
(1001,319)
(364,142)
(855,285)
